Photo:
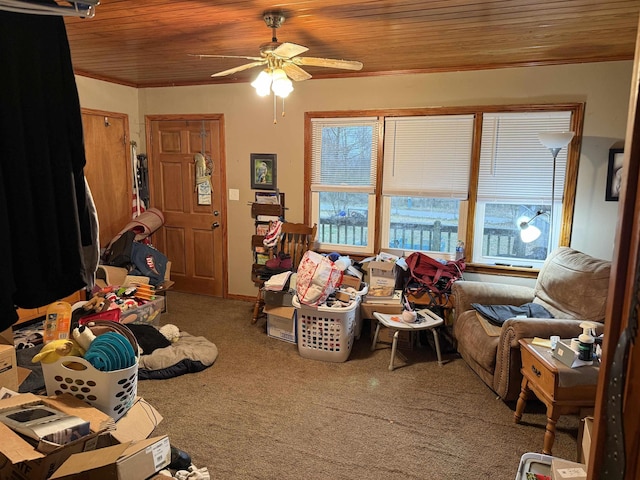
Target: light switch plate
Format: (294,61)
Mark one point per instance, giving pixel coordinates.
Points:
(234,194)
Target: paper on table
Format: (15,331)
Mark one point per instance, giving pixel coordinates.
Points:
(541,342)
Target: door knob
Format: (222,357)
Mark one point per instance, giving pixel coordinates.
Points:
(216,213)
(214,225)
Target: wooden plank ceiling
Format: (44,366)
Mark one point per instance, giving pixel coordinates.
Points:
(146,44)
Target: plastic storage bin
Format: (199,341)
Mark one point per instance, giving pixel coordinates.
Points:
(534,463)
(326,333)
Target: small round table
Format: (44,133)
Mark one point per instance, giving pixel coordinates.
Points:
(427,320)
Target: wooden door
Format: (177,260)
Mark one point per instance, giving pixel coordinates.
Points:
(615,448)
(108,170)
(194,234)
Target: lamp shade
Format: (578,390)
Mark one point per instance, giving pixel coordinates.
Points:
(555,139)
(281,85)
(528,232)
(262,83)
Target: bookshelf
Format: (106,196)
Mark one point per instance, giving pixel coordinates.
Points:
(262,214)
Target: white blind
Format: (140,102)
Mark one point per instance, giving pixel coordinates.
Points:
(514,165)
(428,156)
(344,154)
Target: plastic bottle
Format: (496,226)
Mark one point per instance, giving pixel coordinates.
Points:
(57,323)
(460,250)
(586,339)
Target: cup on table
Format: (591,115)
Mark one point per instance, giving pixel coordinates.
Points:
(554,339)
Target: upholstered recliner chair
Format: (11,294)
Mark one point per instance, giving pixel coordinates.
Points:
(571,285)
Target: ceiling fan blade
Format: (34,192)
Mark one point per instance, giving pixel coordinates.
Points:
(294,72)
(288,50)
(224,56)
(328,62)
(239,69)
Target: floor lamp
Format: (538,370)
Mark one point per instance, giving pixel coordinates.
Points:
(554,141)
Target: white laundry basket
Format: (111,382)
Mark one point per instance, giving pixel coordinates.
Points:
(112,392)
(326,333)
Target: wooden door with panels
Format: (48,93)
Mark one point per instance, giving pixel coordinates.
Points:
(108,169)
(194,234)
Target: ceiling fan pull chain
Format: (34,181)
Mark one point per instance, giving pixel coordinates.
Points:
(275,120)
(283,106)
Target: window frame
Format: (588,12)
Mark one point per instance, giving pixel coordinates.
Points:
(467,228)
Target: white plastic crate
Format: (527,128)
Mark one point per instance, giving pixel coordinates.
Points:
(326,333)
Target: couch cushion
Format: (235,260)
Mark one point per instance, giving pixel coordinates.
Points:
(474,343)
(573,285)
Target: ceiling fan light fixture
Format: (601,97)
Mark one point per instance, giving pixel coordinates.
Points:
(262,83)
(281,84)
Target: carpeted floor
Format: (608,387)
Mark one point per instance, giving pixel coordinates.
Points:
(264,412)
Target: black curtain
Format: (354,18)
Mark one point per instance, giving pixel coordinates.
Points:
(44,212)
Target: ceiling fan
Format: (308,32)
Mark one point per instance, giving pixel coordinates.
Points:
(283,56)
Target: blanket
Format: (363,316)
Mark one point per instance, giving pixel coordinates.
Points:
(188,355)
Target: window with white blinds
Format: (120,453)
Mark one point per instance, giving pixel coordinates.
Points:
(344,153)
(514,165)
(428,156)
(431,161)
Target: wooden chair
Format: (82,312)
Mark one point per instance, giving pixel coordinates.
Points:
(295,240)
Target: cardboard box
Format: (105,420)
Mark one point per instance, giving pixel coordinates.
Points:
(351,281)
(8,367)
(367,309)
(565,470)
(382,278)
(586,432)
(281,323)
(137,424)
(123,462)
(20,460)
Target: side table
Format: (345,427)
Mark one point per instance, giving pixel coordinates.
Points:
(427,321)
(563,390)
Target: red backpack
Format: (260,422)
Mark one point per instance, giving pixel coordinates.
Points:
(433,275)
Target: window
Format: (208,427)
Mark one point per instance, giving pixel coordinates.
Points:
(425,180)
(515,183)
(442,175)
(343,180)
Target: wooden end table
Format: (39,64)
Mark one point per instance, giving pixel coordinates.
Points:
(563,390)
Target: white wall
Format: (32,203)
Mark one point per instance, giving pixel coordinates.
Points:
(604,87)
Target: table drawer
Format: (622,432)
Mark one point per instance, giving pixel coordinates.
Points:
(541,378)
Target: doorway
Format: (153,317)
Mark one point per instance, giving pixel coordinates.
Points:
(108,169)
(194,236)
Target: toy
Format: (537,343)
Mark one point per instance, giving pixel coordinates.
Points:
(55,349)
(145,292)
(170,332)
(98,303)
(83,336)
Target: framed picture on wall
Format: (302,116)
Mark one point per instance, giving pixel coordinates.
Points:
(263,171)
(614,174)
